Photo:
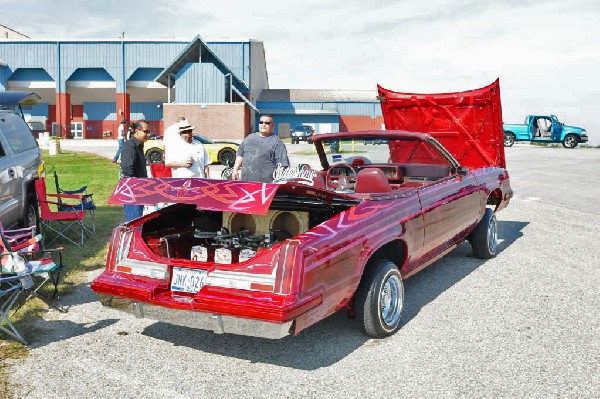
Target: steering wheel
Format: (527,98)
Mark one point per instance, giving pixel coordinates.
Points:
(332,181)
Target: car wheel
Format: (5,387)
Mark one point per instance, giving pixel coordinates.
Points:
(484,238)
(154,156)
(570,141)
(226,156)
(379,299)
(31,217)
(509,139)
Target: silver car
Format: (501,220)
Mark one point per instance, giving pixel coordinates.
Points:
(301,133)
(20,162)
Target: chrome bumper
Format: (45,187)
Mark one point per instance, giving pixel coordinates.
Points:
(205,321)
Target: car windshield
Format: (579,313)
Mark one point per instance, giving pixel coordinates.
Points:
(36,126)
(203,140)
(368,150)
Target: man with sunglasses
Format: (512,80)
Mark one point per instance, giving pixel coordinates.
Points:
(260,154)
(133,162)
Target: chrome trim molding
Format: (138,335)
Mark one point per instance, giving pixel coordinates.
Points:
(219,324)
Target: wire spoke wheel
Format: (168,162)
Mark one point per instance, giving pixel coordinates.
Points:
(379,299)
(391,300)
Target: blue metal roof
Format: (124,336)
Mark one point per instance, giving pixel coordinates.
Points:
(196,51)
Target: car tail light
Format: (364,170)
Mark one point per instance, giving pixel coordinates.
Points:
(113,248)
(289,261)
(118,257)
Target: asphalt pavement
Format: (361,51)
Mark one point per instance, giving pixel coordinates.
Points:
(524,324)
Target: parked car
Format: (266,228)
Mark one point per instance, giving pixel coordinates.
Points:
(545,129)
(301,133)
(222,152)
(269,260)
(20,162)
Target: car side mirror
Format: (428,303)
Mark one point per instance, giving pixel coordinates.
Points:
(462,171)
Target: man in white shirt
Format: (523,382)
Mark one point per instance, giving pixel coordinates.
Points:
(186,157)
(172,131)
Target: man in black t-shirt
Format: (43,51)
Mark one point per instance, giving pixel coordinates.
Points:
(260,154)
(133,162)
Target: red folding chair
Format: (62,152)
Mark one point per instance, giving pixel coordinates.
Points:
(19,239)
(160,170)
(59,223)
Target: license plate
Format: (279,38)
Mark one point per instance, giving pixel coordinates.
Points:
(187,280)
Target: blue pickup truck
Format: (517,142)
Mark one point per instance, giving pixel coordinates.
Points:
(545,129)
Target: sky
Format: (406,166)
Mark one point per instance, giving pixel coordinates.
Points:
(546,53)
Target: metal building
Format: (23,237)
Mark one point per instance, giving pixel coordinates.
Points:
(325,110)
(88,86)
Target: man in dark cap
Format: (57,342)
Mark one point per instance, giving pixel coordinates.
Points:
(122,134)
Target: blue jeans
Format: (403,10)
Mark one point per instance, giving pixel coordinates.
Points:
(133,211)
(118,154)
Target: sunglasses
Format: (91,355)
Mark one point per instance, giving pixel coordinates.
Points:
(147,131)
(265,123)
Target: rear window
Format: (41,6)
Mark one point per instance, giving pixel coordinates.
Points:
(36,126)
(17,133)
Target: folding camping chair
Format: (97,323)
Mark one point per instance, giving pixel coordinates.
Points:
(87,203)
(60,223)
(10,288)
(43,269)
(18,239)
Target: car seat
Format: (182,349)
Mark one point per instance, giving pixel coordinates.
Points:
(372,180)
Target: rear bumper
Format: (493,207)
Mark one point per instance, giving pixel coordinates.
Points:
(219,324)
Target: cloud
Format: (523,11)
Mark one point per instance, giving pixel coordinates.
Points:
(545,52)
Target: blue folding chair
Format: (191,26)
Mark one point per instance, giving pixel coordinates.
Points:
(86,204)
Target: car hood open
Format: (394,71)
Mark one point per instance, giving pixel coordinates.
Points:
(468,124)
(214,195)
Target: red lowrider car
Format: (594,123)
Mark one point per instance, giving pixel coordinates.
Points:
(271,259)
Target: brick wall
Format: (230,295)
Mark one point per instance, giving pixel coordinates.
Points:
(215,121)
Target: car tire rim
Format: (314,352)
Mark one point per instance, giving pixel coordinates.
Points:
(391,300)
(227,157)
(492,236)
(155,157)
(570,141)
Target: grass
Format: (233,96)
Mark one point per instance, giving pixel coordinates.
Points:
(74,170)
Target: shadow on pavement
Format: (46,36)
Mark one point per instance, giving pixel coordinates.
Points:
(321,345)
(428,284)
(49,331)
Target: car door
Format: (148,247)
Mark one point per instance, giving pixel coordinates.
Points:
(449,207)
(9,185)
(532,128)
(19,166)
(556,131)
